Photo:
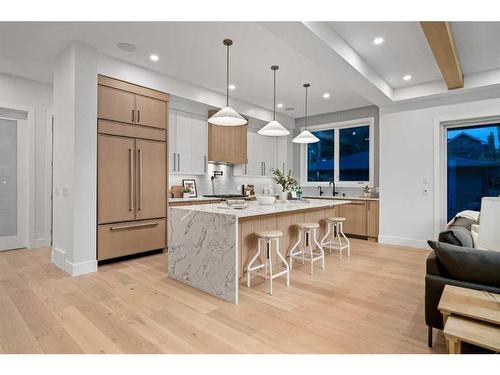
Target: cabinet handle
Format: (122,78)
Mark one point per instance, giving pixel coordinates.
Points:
(246,168)
(205,163)
(358,203)
(138,116)
(139,151)
(133,117)
(131,179)
(264,171)
(283,167)
(175,160)
(154,224)
(178,162)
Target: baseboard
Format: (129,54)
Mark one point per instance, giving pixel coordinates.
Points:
(403,241)
(58,257)
(39,242)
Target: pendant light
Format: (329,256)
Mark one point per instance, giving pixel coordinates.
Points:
(227,116)
(306,136)
(274,128)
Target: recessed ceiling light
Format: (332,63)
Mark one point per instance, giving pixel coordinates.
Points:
(379,40)
(126,47)
(407,77)
(231,87)
(154,57)
(326,95)
(279,105)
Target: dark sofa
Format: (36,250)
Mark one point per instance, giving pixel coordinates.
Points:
(454,264)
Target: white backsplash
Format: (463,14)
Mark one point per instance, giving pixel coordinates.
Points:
(225,184)
(349,192)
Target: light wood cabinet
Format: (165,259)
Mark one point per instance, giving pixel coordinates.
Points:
(132,169)
(355,215)
(227,143)
(372,219)
(151,173)
(116,188)
(127,103)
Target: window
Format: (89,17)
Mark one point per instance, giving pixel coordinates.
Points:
(344,154)
(473,166)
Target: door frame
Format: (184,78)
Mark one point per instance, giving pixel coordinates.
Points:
(25,179)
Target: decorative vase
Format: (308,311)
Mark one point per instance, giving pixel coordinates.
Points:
(185,195)
(284,196)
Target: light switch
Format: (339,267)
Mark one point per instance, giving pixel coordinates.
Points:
(425,180)
(65,192)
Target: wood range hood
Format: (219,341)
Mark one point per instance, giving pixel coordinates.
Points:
(227,144)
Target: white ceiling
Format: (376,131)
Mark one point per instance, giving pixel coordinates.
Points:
(190,51)
(335,57)
(404,51)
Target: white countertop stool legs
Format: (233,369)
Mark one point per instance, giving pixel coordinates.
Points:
(268,237)
(332,239)
(307,251)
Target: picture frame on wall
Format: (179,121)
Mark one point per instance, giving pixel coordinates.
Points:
(190,183)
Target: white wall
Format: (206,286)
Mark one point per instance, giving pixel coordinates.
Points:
(408,153)
(19,92)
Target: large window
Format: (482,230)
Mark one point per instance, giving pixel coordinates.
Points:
(343,154)
(473,166)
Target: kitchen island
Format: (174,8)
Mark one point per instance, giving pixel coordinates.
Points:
(211,244)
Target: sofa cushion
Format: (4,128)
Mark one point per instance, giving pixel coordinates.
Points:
(468,264)
(457,235)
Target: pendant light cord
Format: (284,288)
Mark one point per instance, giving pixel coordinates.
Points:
(227,77)
(306,111)
(274,95)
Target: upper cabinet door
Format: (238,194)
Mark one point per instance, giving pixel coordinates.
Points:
(151,180)
(199,144)
(172,141)
(151,112)
(115,187)
(116,105)
(282,154)
(183,142)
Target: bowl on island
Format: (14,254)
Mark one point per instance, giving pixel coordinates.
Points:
(266,199)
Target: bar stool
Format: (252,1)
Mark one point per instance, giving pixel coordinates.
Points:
(308,230)
(268,236)
(332,239)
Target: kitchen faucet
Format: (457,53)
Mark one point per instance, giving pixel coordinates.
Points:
(320,191)
(214,176)
(332,182)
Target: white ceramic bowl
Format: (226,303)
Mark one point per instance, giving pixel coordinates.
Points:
(266,199)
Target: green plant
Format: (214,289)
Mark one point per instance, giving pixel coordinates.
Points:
(186,190)
(287,181)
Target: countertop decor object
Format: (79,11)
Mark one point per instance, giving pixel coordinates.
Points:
(287,182)
(489,235)
(189,187)
(265,199)
(176,191)
(274,128)
(306,136)
(227,116)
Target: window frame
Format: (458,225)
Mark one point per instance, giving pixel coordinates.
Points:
(336,126)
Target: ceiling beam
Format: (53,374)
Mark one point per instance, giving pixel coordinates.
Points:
(440,38)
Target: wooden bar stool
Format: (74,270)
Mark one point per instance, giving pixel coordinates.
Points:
(268,236)
(306,253)
(332,239)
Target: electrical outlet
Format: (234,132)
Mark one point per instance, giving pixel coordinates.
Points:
(426,190)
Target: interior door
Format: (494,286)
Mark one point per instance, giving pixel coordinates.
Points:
(116,105)
(151,112)
(13,184)
(151,196)
(115,186)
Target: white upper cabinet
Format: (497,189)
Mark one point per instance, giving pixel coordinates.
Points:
(264,153)
(188,136)
(282,154)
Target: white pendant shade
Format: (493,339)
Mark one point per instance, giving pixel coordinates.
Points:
(273,129)
(306,137)
(227,117)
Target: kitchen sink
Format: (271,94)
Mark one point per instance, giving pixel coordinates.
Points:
(223,196)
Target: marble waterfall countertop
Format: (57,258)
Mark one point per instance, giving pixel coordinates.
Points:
(192,199)
(257,209)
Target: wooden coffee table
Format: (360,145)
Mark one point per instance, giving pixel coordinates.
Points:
(472,316)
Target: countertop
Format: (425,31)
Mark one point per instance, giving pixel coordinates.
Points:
(341,198)
(256,209)
(194,199)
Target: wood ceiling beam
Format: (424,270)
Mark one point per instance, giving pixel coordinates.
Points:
(440,38)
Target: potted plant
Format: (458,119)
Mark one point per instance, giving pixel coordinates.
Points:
(186,192)
(368,191)
(286,181)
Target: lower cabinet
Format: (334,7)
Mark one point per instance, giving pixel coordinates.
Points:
(120,239)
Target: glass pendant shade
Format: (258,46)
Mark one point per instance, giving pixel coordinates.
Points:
(227,117)
(306,137)
(273,129)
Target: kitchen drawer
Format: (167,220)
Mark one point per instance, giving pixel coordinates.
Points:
(116,240)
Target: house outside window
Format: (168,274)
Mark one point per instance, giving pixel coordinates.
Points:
(344,154)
